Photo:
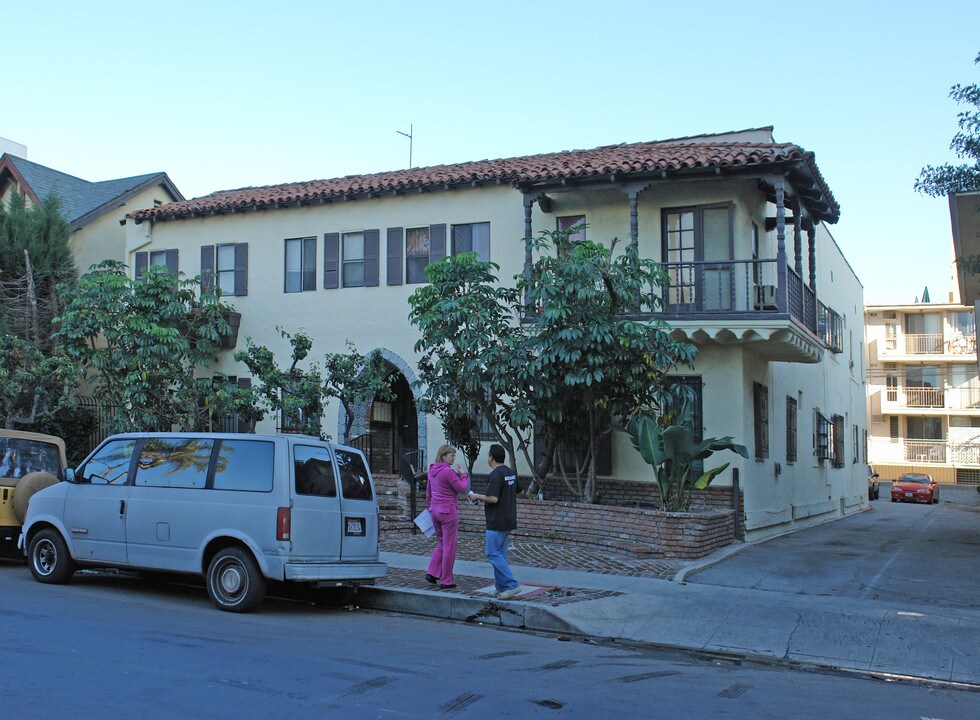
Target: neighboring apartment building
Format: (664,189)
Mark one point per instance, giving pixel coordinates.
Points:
(93,210)
(757,284)
(923,391)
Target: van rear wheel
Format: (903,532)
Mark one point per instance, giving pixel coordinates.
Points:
(50,560)
(234,581)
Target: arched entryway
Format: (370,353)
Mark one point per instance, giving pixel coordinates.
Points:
(389,431)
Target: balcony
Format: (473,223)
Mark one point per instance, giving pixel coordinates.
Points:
(954,346)
(738,302)
(962,398)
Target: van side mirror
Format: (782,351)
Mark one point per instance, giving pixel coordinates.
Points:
(69,475)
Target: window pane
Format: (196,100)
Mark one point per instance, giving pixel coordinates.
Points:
(570,221)
(353,246)
(226,281)
(309,263)
(462,239)
(226,257)
(417,241)
(158,257)
(416,269)
(245,465)
(111,464)
(313,471)
(481,240)
(174,462)
(354,274)
(353,476)
(294,265)
(19,456)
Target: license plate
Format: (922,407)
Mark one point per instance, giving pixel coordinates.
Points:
(354,526)
(909,495)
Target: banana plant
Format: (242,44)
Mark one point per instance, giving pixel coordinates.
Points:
(668,443)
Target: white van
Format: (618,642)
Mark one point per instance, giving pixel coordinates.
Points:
(240,509)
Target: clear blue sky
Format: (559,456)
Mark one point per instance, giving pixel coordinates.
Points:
(226,94)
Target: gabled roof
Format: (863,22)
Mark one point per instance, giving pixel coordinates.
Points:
(706,155)
(81,201)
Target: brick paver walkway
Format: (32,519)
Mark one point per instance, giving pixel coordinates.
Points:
(529,553)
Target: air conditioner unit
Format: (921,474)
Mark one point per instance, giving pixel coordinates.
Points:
(767,297)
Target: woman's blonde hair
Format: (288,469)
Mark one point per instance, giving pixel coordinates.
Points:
(443,449)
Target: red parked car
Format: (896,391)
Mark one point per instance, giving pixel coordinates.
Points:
(915,487)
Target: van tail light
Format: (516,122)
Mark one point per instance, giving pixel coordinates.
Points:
(283,523)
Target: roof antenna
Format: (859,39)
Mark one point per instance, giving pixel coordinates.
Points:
(410,140)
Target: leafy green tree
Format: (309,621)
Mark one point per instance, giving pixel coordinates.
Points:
(141,344)
(297,394)
(351,376)
(563,346)
(594,358)
(949,178)
(292,392)
(35,257)
(32,386)
(473,350)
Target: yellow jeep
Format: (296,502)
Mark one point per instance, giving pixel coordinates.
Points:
(28,462)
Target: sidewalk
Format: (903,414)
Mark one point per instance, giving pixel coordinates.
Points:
(595,594)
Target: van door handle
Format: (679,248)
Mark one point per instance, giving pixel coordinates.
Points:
(122,507)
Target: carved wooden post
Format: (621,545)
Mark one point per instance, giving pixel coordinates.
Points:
(528,231)
(797,239)
(781,299)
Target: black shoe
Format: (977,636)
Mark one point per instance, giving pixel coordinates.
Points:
(431,578)
(448,587)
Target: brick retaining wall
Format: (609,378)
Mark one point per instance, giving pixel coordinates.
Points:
(641,531)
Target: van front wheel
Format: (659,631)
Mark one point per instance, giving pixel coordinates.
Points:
(50,560)
(234,581)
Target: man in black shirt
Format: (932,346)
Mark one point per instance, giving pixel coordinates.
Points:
(500,507)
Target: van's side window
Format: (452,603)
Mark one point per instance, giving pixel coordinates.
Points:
(353,476)
(313,471)
(174,462)
(245,465)
(110,466)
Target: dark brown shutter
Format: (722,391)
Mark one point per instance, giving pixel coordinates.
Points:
(396,245)
(207,268)
(372,241)
(172,262)
(331,260)
(241,268)
(437,242)
(142,259)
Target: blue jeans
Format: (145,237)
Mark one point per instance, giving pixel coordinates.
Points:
(503,578)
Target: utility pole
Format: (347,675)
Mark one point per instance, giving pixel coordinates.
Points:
(410,137)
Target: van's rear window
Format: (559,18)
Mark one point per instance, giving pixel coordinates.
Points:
(19,456)
(245,465)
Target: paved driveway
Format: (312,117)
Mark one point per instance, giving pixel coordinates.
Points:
(895,552)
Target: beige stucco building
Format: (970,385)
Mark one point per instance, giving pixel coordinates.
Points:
(758,284)
(94,210)
(923,390)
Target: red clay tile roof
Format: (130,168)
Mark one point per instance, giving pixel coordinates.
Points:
(621,160)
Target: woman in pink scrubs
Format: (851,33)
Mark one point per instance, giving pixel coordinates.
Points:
(444,484)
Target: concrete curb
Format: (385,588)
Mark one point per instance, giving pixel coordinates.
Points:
(443,605)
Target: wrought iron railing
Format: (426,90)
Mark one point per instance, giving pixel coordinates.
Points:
(735,286)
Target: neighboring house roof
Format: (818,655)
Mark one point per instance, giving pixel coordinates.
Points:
(701,154)
(81,201)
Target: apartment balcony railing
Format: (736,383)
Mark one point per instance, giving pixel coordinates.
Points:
(926,344)
(930,344)
(709,287)
(904,450)
(963,397)
(921,397)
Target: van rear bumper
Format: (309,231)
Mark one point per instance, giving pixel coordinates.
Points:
(335,571)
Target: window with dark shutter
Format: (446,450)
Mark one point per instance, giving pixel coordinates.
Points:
(372,241)
(395,256)
(790,430)
(760,402)
(474,237)
(141,263)
(331,260)
(207,268)
(300,273)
